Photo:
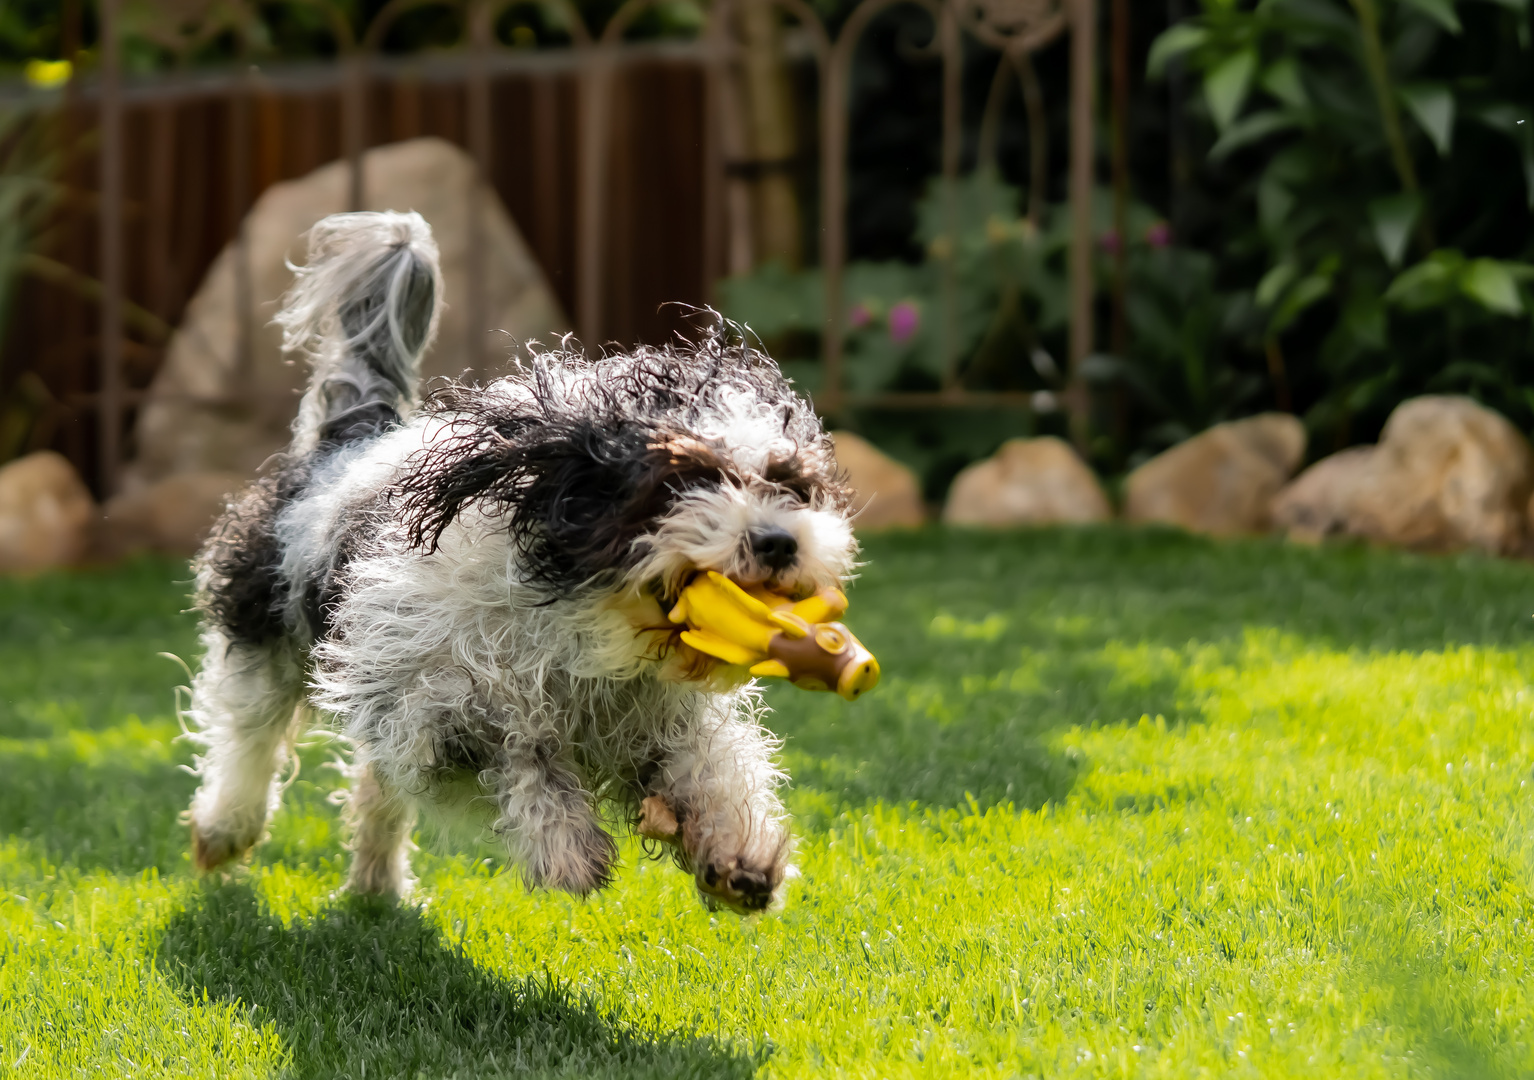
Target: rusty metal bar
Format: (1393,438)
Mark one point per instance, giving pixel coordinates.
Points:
(596,123)
(162,179)
(834,104)
(1083,59)
(1120,66)
(239,199)
(725,128)
(590,224)
(545,137)
(109,415)
(481,29)
(740,236)
(947,34)
(1038,133)
(354,124)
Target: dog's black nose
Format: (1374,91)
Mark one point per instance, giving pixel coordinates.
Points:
(776,548)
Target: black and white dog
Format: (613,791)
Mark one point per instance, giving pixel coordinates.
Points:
(477,587)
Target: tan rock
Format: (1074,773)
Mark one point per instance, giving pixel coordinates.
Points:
(1219,482)
(885,492)
(1027,482)
(207,414)
(1447,474)
(170,516)
(47,515)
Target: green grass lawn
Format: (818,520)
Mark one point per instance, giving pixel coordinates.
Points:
(1126,803)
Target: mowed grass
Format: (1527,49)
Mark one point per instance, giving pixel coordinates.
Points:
(1127,803)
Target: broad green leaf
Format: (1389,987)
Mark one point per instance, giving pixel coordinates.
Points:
(1251,129)
(1428,284)
(1513,5)
(1393,218)
(1440,11)
(1364,321)
(1282,80)
(1432,104)
(1490,284)
(1305,293)
(1226,87)
(1171,43)
(1274,201)
(1274,282)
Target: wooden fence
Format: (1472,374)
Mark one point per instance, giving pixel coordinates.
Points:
(188,178)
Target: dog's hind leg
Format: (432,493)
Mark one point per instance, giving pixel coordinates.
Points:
(381,819)
(719,781)
(547,819)
(244,704)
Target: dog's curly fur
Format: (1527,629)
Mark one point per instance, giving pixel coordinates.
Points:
(476,587)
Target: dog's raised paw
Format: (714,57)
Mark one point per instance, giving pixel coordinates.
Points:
(212,850)
(743,889)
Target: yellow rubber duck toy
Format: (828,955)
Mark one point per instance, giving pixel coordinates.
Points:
(773,636)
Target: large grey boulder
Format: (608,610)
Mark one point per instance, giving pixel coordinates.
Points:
(205,414)
(885,493)
(1221,481)
(1027,482)
(1447,474)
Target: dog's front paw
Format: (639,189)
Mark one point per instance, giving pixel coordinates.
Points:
(576,858)
(213,848)
(744,878)
(740,887)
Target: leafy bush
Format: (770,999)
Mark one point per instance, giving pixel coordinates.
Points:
(1386,158)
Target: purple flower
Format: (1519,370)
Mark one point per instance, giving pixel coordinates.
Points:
(859,316)
(1159,235)
(904,320)
(1109,242)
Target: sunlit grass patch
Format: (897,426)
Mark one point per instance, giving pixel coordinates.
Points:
(1126,803)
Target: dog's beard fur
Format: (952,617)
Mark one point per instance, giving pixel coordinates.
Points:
(478,592)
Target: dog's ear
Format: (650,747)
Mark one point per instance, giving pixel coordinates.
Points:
(575,491)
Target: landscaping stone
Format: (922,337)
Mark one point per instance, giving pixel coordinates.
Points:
(1027,482)
(206,414)
(1221,481)
(170,516)
(47,515)
(885,492)
(1447,474)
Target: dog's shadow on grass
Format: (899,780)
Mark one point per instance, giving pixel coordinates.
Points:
(372,989)
(942,743)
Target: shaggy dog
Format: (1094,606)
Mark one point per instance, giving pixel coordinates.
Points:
(476,587)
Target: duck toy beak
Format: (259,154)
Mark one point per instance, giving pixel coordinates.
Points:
(772,636)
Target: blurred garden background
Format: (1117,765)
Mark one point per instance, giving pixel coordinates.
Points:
(1312,207)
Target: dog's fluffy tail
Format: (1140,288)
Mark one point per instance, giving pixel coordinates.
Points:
(363,310)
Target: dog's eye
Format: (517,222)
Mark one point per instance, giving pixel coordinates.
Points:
(789,476)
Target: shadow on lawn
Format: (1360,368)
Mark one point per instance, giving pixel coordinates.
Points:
(372,989)
(939,742)
(994,643)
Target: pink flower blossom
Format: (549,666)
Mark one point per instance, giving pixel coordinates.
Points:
(904,321)
(1159,235)
(859,316)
